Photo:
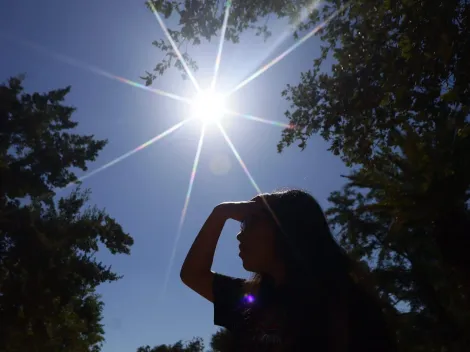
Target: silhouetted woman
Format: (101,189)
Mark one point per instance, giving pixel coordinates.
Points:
(302,296)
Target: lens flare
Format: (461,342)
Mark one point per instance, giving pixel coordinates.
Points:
(183,213)
(259,119)
(151,90)
(94,69)
(221,44)
(249,298)
(256,187)
(235,152)
(289,31)
(285,53)
(173,44)
(129,153)
(208,106)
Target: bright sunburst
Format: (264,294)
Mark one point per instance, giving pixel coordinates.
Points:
(208,106)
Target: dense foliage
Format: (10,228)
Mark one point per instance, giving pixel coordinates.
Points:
(48,269)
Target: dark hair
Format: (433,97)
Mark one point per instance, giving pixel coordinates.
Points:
(318,269)
(304,241)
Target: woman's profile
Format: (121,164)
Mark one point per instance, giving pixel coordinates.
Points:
(302,296)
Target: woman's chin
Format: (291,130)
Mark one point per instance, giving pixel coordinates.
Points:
(246,262)
(246,265)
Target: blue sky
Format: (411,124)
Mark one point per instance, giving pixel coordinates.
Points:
(146,191)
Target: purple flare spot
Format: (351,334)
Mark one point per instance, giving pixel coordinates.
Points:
(249,298)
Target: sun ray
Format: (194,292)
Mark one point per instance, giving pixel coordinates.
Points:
(259,119)
(289,31)
(115,161)
(94,69)
(260,194)
(152,90)
(175,48)
(245,169)
(129,153)
(285,53)
(221,45)
(238,157)
(183,212)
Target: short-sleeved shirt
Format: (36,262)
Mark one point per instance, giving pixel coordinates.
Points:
(260,327)
(254,326)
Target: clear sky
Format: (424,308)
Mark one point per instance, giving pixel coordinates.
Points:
(146,192)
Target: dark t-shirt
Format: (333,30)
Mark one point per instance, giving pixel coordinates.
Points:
(256,325)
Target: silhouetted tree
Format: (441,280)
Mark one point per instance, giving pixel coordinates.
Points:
(202,20)
(394,106)
(48,269)
(221,341)
(195,345)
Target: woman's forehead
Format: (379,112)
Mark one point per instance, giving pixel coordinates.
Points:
(261,216)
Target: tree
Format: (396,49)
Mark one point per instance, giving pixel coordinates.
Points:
(48,269)
(202,20)
(395,108)
(402,214)
(195,345)
(221,341)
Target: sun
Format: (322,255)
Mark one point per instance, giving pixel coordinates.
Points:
(208,106)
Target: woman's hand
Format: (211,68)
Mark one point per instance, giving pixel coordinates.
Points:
(196,270)
(238,211)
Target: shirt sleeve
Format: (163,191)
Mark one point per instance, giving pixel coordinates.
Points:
(228,300)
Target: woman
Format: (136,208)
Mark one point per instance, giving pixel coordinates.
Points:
(302,296)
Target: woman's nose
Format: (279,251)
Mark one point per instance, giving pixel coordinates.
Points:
(239,236)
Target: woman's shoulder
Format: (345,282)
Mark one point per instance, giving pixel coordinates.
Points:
(234,291)
(230,282)
(248,286)
(232,297)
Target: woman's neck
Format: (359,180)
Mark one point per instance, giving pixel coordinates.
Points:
(278,275)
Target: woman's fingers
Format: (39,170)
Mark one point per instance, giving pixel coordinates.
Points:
(239,210)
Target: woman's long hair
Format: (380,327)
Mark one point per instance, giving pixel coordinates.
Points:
(304,241)
(317,268)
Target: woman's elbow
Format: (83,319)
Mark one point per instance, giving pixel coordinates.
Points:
(187,275)
(184,275)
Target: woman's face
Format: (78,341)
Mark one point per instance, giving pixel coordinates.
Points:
(257,243)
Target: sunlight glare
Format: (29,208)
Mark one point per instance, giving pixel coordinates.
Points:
(292,28)
(208,106)
(245,169)
(94,69)
(286,52)
(238,157)
(129,153)
(221,45)
(173,45)
(259,119)
(183,212)
(151,90)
